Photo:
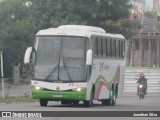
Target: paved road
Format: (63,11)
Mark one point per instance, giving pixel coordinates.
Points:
(128,102)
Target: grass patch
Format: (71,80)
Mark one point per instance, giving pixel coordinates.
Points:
(14,99)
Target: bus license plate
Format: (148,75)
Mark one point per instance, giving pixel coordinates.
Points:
(57,95)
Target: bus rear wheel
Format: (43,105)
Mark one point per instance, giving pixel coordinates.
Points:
(111,101)
(105,102)
(43,102)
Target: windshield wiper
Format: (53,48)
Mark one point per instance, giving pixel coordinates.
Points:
(66,70)
(54,69)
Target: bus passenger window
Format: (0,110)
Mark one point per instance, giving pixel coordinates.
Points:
(109,47)
(117,48)
(121,49)
(95,48)
(104,47)
(113,48)
(99,48)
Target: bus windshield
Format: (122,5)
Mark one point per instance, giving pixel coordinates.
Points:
(60,59)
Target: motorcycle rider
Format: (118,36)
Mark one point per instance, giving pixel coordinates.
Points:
(142,79)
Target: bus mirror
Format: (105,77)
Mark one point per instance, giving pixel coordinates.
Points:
(27,55)
(89,57)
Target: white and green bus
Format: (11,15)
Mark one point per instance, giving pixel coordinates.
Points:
(74,63)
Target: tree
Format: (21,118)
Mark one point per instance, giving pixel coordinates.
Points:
(17,32)
(19,21)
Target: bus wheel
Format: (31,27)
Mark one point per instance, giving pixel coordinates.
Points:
(112,98)
(105,102)
(43,102)
(89,103)
(110,101)
(66,102)
(75,102)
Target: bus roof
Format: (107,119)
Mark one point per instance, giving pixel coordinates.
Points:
(78,30)
(82,28)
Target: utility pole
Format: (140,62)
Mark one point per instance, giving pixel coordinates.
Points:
(2,74)
(134,6)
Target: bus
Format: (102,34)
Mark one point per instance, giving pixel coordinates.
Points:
(77,63)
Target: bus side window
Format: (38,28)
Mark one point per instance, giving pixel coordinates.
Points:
(121,49)
(99,47)
(119,42)
(95,48)
(117,48)
(104,47)
(113,48)
(109,47)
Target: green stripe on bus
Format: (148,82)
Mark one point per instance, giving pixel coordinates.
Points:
(65,95)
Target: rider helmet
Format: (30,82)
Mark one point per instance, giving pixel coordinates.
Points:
(141,75)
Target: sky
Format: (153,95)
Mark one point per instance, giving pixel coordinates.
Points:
(149,3)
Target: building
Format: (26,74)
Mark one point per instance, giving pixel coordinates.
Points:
(156,5)
(144,48)
(138,8)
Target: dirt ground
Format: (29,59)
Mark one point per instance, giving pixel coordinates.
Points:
(22,89)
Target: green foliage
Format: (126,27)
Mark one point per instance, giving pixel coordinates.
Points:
(17,99)
(19,23)
(151,14)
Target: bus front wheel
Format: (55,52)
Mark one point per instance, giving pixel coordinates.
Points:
(89,103)
(43,102)
(66,102)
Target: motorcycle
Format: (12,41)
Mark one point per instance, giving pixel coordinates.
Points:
(141,88)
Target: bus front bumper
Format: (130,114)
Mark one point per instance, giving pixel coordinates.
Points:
(58,95)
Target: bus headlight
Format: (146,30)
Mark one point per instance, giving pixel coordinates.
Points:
(37,87)
(79,89)
(140,86)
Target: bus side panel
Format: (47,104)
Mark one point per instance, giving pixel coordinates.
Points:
(122,77)
(105,73)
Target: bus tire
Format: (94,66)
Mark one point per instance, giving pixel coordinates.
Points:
(111,101)
(116,90)
(105,102)
(75,102)
(66,102)
(89,103)
(43,102)
(113,98)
